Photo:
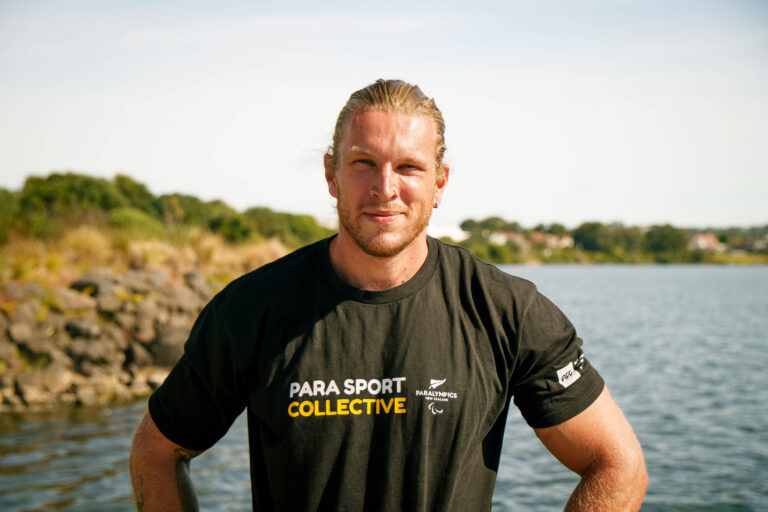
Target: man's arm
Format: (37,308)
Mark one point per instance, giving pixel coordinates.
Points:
(160,471)
(599,445)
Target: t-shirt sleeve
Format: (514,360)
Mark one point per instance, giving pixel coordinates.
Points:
(204,393)
(553,381)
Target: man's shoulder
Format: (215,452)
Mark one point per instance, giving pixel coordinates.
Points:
(281,274)
(461,262)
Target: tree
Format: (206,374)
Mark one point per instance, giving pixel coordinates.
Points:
(667,243)
(137,195)
(47,205)
(557,229)
(593,236)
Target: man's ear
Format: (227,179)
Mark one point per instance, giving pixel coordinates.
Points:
(440,185)
(330,176)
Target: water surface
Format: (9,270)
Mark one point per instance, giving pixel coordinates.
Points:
(681,347)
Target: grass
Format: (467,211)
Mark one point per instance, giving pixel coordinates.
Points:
(85,248)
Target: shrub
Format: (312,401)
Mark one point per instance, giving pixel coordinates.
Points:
(135,223)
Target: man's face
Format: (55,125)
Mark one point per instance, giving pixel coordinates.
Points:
(384,182)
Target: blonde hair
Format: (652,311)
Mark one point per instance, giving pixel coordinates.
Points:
(393,96)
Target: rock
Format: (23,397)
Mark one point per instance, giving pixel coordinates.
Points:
(159,277)
(31,388)
(146,310)
(54,322)
(83,327)
(26,312)
(180,298)
(177,319)
(56,378)
(138,355)
(198,284)
(116,335)
(169,346)
(58,356)
(4,323)
(11,398)
(144,330)
(66,300)
(8,355)
(108,304)
(156,377)
(93,351)
(37,350)
(161,317)
(140,388)
(125,320)
(23,291)
(95,284)
(68,398)
(21,332)
(106,338)
(100,389)
(136,282)
(87,396)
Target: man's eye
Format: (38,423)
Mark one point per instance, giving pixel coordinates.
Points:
(364,161)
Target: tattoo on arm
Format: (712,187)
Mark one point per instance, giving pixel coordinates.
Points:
(140,497)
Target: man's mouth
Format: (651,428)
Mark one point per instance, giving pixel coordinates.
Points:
(382,216)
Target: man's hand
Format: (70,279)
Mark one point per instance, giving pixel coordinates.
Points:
(599,445)
(160,471)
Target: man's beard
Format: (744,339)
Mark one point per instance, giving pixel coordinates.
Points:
(378,244)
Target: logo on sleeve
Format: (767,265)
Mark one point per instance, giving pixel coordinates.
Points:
(567,375)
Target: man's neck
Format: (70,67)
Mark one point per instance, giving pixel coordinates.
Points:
(366,272)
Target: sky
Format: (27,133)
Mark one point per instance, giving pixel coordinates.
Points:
(641,112)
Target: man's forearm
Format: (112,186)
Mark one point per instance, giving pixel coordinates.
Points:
(609,488)
(160,471)
(163,485)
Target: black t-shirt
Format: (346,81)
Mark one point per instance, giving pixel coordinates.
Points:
(361,400)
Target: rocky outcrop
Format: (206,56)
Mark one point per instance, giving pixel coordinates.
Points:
(107,338)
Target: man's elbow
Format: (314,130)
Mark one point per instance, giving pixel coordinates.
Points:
(630,471)
(641,477)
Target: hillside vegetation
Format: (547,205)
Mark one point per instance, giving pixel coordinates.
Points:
(59,226)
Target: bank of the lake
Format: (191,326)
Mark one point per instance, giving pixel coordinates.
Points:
(107,339)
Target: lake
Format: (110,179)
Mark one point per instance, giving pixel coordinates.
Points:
(682,349)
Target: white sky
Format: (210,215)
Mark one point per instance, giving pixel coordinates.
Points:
(557,111)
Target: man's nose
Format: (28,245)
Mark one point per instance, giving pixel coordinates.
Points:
(385,183)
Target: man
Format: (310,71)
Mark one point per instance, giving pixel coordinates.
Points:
(377,366)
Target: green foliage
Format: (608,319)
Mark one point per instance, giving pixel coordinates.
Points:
(232,226)
(137,195)
(219,217)
(667,243)
(493,253)
(182,209)
(489,225)
(293,230)
(135,222)
(48,205)
(593,236)
(557,229)
(9,207)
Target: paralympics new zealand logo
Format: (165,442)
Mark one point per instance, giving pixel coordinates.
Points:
(435,397)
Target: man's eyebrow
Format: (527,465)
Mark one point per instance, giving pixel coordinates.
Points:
(358,150)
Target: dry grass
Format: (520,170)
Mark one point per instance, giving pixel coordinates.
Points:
(84,248)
